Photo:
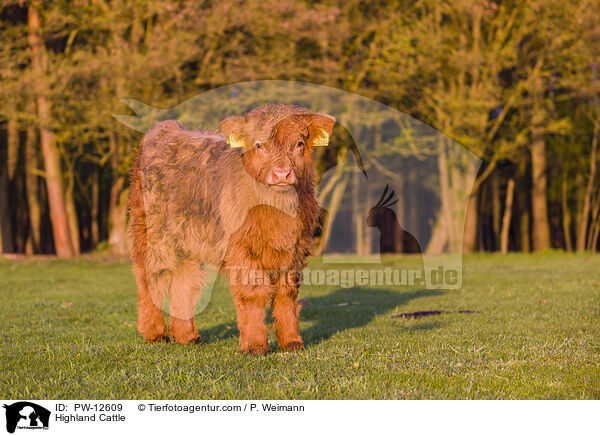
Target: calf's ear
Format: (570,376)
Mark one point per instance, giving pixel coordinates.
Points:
(232,128)
(320,127)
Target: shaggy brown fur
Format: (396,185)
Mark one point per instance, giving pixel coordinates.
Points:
(243,200)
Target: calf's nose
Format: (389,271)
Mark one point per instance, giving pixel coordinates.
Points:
(283,175)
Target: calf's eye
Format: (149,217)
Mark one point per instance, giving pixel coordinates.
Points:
(300,144)
(257,145)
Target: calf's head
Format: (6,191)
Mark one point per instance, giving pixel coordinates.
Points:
(277,143)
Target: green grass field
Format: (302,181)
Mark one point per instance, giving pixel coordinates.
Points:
(68,331)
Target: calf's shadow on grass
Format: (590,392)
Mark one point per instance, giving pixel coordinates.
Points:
(345,309)
(342,309)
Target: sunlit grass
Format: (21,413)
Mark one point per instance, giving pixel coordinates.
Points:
(68,331)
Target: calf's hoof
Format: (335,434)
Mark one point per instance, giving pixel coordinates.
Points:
(256,350)
(156,339)
(292,346)
(154,333)
(192,338)
(184,331)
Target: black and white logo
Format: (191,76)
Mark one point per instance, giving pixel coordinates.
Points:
(26,415)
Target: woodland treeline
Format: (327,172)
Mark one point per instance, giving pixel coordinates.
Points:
(514,82)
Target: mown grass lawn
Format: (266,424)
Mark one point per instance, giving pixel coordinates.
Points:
(68,331)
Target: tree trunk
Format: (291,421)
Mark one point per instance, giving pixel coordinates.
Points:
(58,214)
(593,224)
(12,141)
(6,240)
(8,244)
(595,236)
(471,219)
(117,206)
(334,207)
(368,234)
(117,218)
(95,227)
(566,214)
(579,184)
(399,235)
(334,186)
(442,232)
(411,208)
(31,187)
(72,215)
(471,213)
(596,224)
(587,199)
(358,215)
(508,204)
(486,241)
(496,209)
(523,206)
(539,206)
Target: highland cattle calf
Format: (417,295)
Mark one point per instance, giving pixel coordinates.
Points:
(241,198)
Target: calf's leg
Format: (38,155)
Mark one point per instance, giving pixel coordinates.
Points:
(186,287)
(150,322)
(251,303)
(285,314)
